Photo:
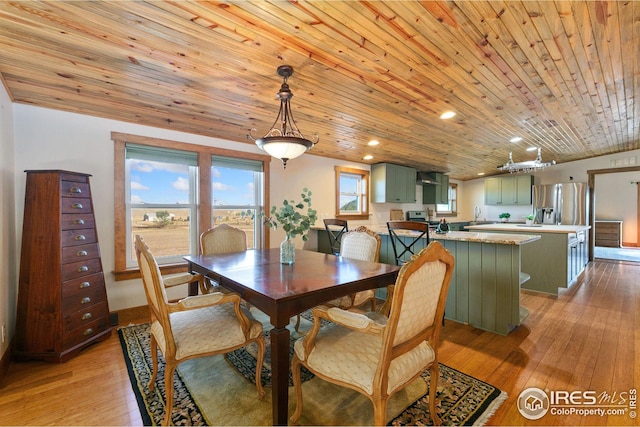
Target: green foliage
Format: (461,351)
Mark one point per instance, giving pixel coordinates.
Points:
(290,216)
(163,217)
(530,217)
(505,215)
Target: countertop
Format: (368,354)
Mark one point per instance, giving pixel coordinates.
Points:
(466,236)
(535,228)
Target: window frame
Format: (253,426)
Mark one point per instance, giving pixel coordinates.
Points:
(203,221)
(453,210)
(364,195)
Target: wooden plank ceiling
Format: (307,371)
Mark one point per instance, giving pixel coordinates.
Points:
(563,75)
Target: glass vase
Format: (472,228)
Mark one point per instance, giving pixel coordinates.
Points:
(287,251)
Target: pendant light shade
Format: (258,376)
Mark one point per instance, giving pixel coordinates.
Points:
(284,140)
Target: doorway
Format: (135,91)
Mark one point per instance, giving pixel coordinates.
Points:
(618,190)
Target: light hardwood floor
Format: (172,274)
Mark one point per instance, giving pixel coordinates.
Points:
(587,338)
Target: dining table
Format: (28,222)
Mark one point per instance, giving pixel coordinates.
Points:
(282,291)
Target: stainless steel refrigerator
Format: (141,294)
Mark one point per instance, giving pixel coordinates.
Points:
(565,203)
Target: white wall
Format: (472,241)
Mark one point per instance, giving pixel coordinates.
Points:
(8,250)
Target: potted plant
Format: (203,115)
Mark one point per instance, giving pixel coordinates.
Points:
(529,219)
(505,216)
(294,221)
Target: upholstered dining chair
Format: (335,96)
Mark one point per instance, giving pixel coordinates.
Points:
(379,355)
(196,326)
(407,238)
(221,239)
(364,245)
(335,230)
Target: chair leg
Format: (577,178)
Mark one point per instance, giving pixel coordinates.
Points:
(261,350)
(153,347)
(379,410)
(297,327)
(169,369)
(433,390)
(297,385)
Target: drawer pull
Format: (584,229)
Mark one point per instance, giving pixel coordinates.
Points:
(85,300)
(88,331)
(82,253)
(77,205)
(83,269)
(84,285)
(79,237)
(79,222)
(86,316)
(75,190)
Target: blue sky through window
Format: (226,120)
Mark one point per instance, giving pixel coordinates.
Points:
(168,183)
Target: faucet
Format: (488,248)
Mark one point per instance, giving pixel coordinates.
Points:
(476,213)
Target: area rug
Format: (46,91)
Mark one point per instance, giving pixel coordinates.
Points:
(210,391)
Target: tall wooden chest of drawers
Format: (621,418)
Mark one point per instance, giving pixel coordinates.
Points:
(62,300)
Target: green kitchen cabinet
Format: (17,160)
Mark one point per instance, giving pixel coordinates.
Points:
(436,194)
(393,183)
(508,190)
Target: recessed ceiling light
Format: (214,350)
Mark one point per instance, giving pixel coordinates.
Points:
(373,142)
(447,115)
(480,173)
(516,139)
(367,157)
(532,148)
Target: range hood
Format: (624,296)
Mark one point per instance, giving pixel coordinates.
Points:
(427,178)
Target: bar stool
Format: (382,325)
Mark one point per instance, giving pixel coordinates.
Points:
(335,229)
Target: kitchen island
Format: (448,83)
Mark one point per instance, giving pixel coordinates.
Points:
(485,287)
(556,260)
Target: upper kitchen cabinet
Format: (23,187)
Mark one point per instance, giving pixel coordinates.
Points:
(508,190)
(393,183)
(436,194)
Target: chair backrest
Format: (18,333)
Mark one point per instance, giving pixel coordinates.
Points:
(154,288)
(335,229)
(419,298)
(407,238)
(223,239)
(361,244)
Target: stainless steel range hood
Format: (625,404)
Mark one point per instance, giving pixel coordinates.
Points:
(426,178)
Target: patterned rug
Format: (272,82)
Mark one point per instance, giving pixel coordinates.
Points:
(463,400)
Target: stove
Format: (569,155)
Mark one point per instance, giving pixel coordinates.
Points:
(420,216)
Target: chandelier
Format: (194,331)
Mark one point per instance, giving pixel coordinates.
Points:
(284,140)
(529,166)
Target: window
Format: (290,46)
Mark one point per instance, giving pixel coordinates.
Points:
(161,202)
(451,208)
(237,197)
(170,192)
(352,193)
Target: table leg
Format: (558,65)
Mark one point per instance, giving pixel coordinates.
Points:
(280,375)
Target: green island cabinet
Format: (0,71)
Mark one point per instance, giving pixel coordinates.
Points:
(508,190)
(486,282)
(393,183)
(436,194)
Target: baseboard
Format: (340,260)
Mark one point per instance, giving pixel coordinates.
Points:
(125,316)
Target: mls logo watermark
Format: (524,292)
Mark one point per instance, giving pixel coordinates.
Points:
(534,403)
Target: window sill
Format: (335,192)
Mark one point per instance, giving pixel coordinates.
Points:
(134,273)
(353,217)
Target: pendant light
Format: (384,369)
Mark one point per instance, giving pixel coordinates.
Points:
(284,140)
